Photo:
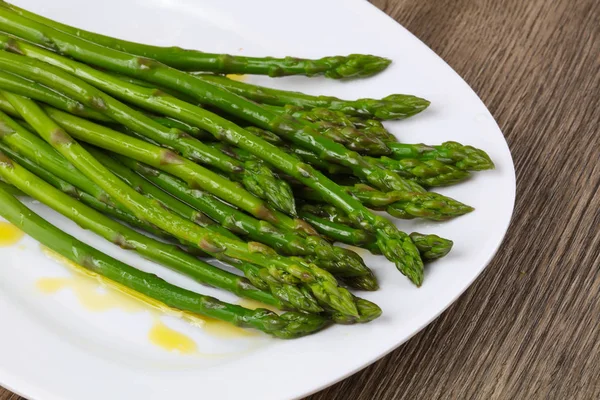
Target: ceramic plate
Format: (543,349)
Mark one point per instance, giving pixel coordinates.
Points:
(67,337)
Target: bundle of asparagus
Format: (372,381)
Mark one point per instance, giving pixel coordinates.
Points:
(109,133)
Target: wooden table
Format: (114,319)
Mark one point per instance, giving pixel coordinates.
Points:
(528,327)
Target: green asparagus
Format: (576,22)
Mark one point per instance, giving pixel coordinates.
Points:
(395,106)
(324,287)
(255,176)
(394,244)
(467,158)
(338,261)
(288,325)
(127,238)
(405,205)
(288,295)
(161,102)
(335,67)
(430,246)
(327,119)
(371,138)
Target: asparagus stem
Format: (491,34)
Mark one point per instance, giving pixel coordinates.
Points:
(126,238)
(395,106)
(394,244)
(16,84)
(256,177)
(466,158)
(338,261)
(334,67)
(371,138)
(400,204)
(287,325)
(326,119)
(288,296)
(323,285)
(85,198)
(431,247)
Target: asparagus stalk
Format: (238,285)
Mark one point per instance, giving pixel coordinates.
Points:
(82,196)
(288,325)
(256,177)
(16,84)
(159,101)
(334,67)
(124,237)
(371,138)
(467,158)
(395,106)
(394,244)
(430,246)
(326,118)
(426,173)
(289,296)
(405,205)
(152,192)
(323,285)
(338,261)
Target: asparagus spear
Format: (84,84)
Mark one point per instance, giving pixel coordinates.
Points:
(371,138)
(430,246)
(326,119)
(82,196)
(255,176)
(395,106)
(395,244)
(152,192)
(14,83)
(322,284)
(289,296)
(405,205)
(467,158)
(335,67)
(288,325)
(124,237)
(171,106)
(338,261)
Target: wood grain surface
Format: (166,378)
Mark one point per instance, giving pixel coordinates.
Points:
(528,328)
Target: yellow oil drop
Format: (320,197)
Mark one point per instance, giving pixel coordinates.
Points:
(236,77)
(253,305)
(9,234)
(171,340)
(52,285)
(225,330)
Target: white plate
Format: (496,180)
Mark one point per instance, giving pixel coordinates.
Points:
(51,347)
